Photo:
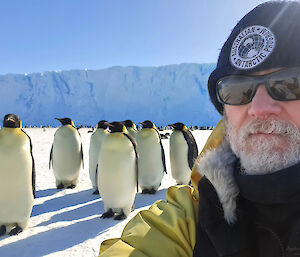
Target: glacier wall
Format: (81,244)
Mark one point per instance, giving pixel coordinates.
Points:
(166,94)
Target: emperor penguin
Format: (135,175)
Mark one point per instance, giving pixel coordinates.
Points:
(117,172)
(95,144)
(152,163)
(183,153)
(17,176)
(66,154)
(131,127)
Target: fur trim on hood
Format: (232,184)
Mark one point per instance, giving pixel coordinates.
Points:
(217,166)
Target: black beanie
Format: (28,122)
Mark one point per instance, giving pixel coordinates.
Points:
(267,37)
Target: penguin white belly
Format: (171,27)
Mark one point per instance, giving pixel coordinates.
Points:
(95,145)
(180,169)
(66,154)
(151,168)
(117,173)
(16,196)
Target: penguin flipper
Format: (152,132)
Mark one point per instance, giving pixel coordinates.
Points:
(81,149)
(33,182)
(192,147)
(81,155)
(132,140)
(96,175)
(50,159)
(2,230)
(163,157)
(33,174)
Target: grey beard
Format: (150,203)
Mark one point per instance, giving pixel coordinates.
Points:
(267,155)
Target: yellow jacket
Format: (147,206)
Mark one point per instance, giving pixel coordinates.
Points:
(168,228)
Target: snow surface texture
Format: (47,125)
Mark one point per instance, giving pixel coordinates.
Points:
(67,222)
(165,95)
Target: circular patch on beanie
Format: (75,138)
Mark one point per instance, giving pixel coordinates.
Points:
(251,47)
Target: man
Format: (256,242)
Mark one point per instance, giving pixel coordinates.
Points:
(246,196)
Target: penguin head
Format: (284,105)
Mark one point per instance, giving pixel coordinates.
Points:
(178,126)
(129,124)
(117,126)
(147,124)
(66,121)
(12,121)
(102,124)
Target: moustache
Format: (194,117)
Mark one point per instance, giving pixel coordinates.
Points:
(268,126)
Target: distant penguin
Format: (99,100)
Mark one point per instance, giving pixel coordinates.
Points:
(17,176)
(95,144)
(131,127)
(66,154)
(183,153)
(151,158)
(117,172)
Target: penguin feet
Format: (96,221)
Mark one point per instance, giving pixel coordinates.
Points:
(2,230)
(145,191)
(15,231)
(120,216)
(71,186)
(96,192)
(60,186)
(107,214)
(152,191)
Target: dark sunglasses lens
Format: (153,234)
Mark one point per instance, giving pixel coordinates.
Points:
(236,90)
(285,86)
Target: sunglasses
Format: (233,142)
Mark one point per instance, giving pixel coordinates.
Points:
(282,85)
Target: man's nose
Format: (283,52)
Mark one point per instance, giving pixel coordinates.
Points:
(263,104)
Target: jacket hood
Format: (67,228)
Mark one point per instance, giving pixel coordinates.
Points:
(216,163)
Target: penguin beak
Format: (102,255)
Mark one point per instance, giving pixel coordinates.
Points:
(11,119)
(172,125)
(142,123)
(110,125)
(57,119)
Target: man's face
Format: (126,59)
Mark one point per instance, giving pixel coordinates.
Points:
(264,134)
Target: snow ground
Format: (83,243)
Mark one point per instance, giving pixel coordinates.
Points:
(67,222)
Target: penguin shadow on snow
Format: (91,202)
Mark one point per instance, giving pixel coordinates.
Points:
(55,240)
(142,200)
(85,211)
(63,201)
(46,192)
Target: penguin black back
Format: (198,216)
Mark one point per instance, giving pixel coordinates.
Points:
(33,166)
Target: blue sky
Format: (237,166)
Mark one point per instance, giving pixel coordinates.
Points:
(41,35)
